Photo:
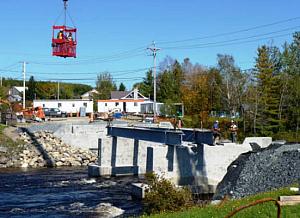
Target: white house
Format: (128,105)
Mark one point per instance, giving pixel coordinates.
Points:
(123,101)
(89,94)
(67,105)
(15,93)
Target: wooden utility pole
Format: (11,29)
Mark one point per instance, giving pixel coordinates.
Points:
(24,87)
(154,50)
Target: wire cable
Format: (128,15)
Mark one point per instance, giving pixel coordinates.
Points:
(230,33)
(224,44)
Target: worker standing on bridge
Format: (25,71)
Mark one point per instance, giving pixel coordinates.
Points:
(233,131)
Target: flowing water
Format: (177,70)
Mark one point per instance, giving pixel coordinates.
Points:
(64,192)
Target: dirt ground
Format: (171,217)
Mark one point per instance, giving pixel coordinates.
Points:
(11,132)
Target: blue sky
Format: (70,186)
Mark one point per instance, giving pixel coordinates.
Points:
(113,35)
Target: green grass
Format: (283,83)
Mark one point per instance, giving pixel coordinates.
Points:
(6,141)
(259,211)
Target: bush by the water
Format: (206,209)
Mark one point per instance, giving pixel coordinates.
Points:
(162,195)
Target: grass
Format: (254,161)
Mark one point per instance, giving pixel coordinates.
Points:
(259,211)
(6,141)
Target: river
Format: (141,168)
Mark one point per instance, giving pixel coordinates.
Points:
(62,192)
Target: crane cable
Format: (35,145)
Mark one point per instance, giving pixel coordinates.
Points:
(65,14)
(65,10)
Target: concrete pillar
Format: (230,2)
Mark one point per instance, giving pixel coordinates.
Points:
(135,152)
(135,156)
(99,151)
(114,151)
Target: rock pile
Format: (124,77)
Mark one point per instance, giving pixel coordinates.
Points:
(253,172)
(9,157)
(43,149)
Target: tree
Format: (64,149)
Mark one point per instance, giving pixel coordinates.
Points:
(122,87)
(169,84)
(215,89)
(233,84)
(31,92)
(268,91)
(146,87)
(187,66)
(291,68)
(105,85)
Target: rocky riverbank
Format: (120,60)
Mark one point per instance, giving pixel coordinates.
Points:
(43,149)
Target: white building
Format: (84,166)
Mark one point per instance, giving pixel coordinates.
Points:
(123,101)
(89,94)
(67,105)
(15,93)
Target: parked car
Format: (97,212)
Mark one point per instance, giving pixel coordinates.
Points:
(54,112)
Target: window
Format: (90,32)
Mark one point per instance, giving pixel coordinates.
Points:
(59,105)
(73,105)
(117,103)
(105,104)
(43,105)
(85,104)
(135,104)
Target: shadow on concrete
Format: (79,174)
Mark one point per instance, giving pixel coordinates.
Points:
(170,158)
(149,160)
(49,161)
(124,170)
(191,165)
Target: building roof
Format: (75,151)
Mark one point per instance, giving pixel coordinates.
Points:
(118,94)
(20,88)
(122,100)
(61,100)
(90,93)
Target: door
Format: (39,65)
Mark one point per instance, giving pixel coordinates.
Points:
(124,106)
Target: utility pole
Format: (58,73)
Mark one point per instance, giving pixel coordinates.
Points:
(153,49)
(24,77)
(57,90)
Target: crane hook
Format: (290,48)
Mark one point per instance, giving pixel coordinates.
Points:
(65,3)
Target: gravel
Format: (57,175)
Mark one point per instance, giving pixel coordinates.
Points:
(261,170)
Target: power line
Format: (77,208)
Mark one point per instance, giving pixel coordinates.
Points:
(241,38)
(232,32)
(112,58)
(114,73)
(225,44)
(94,78)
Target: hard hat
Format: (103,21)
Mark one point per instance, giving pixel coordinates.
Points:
(217,121)
(232,121)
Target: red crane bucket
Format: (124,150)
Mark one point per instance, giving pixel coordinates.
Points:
(64,41)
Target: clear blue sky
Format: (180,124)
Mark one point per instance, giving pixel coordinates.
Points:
(113,35)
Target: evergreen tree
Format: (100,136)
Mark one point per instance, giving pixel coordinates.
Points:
(291,60)
(268,88)
(169,84)
(31,92)
(146,87)
(122,87)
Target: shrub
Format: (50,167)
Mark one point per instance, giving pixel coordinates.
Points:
(162,195)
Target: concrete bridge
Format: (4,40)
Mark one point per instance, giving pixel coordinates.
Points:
(186,156)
